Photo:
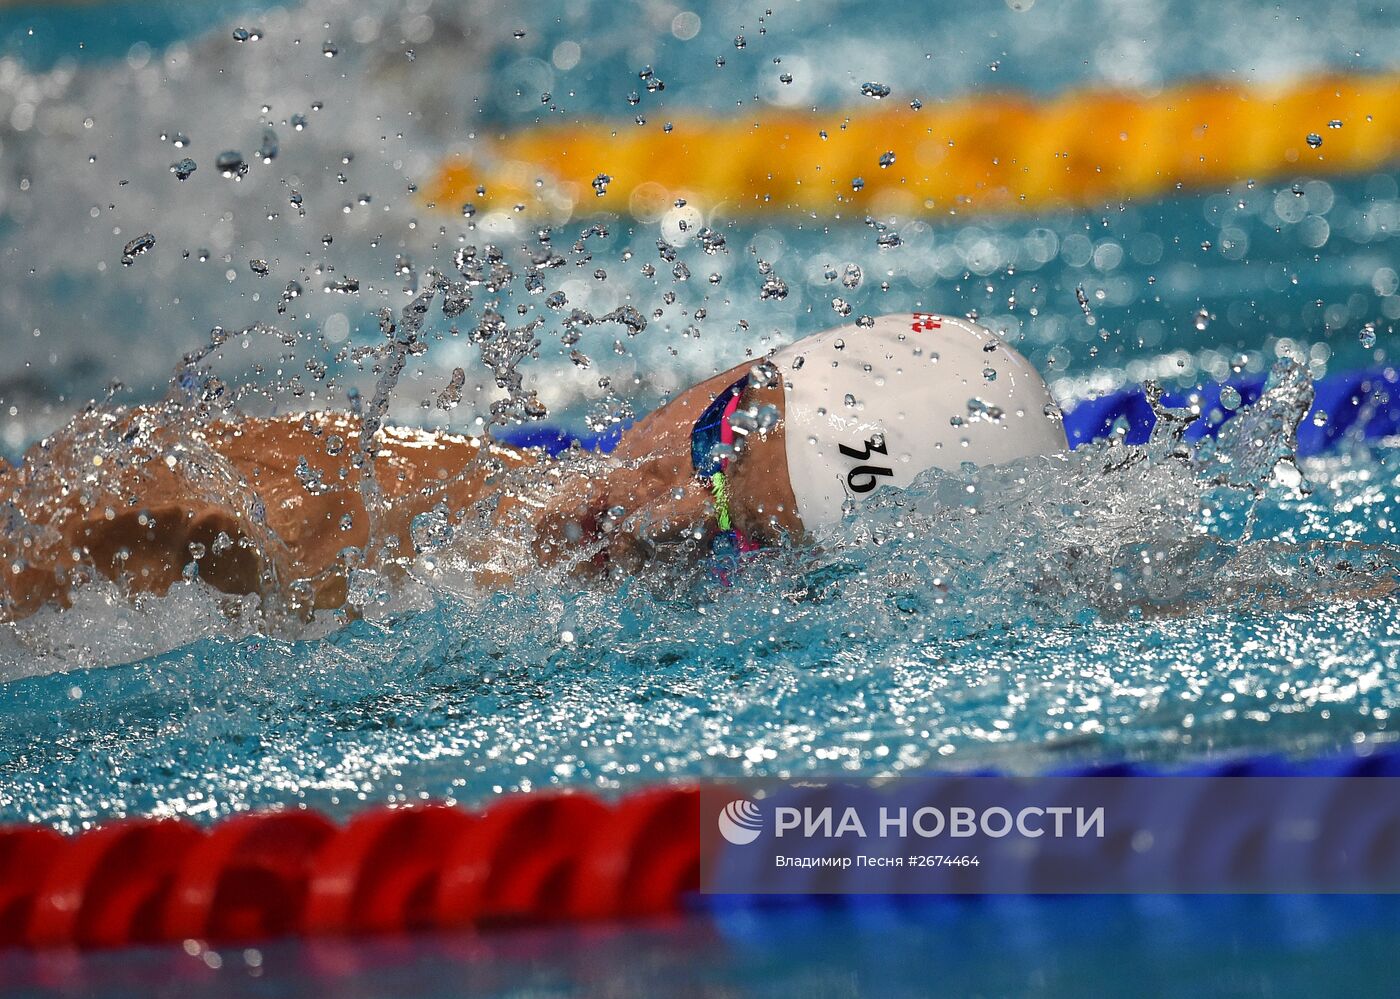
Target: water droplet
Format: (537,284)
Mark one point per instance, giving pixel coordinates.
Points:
(1083,299)
(267,150)
(841,307)
(298,122)
(1230,397)
(916,104)
(230,164)
(183,168)
(136,247)
(886,159)
(329,50)
(785,78)
(878,91)
(1314,139)
(1335,123)
(600,184)
(857,183)
(258,266)
(1368,335)
(851,276)
(981,411)
(740,42)
(1202,320)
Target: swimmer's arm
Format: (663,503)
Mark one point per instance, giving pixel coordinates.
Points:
(651,505)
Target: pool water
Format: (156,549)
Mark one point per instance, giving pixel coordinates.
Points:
(1050,948)
(1156,602)
(1119,602)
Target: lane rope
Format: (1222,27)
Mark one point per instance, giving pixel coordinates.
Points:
(527,859)
(969,155)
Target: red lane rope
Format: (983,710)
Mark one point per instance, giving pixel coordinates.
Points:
(530,858)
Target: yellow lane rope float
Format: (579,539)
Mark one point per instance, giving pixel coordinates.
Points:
(971,155)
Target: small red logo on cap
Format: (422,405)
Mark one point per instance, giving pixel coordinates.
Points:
(925,321)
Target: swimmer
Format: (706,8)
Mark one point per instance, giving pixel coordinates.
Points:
(768,452)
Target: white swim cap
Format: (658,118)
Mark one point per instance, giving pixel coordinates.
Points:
(876,405)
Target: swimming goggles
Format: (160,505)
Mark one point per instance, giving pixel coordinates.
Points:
(711,444)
